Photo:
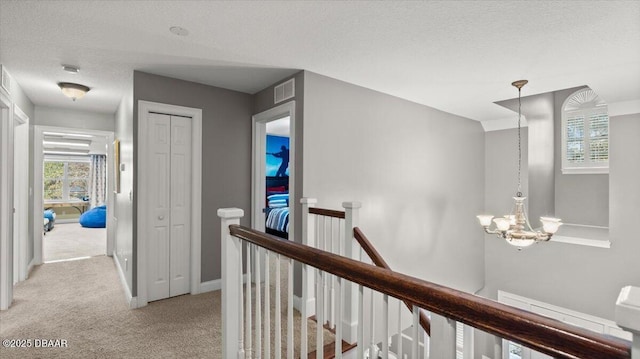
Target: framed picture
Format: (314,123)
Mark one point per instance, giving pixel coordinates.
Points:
(116,165)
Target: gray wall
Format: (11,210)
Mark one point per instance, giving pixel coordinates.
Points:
(418,172)
(263,101)
(581,278)
(226,152)
(123,211)
(580,198)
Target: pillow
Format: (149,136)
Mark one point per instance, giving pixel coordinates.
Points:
(278,189)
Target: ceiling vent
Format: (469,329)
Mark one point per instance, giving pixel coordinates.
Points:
(284,91)
(5,80)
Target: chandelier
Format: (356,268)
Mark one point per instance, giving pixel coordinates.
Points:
(515,227)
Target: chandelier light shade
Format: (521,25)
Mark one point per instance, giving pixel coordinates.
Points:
(515,227)
(73,91)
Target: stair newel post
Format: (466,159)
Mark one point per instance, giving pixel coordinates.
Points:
(350,291)
(628,316)
(308,238)
(231,285)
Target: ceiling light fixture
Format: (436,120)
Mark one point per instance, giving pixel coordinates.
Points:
(73,91)
(515,227)
(180,31)
(70,69)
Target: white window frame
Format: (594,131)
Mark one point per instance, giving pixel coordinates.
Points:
(588,166)
(65,177)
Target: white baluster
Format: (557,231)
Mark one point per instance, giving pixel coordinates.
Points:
(308,238)
(373,348)
(290,338)
(350,316)
(258,267)
(231,288)
(278,317)
(319,302)
(240,309)
(360,309)
(267,306)
(385,326)
(415,339)
(248,318)
(627,316)
(443,337)
(400,306)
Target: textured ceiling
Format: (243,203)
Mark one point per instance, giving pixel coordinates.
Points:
(456,56)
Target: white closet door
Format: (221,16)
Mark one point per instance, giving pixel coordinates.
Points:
(159,238)
(180,205)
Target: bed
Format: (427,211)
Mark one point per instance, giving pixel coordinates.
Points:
(277,207)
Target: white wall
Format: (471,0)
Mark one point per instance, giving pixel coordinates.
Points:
(418,172)
(123,212)
(63,117)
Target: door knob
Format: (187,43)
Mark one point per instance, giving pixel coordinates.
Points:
(161,217)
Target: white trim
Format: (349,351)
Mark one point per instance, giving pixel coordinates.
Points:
(259,124)
(585,170)
(38,203)
(311,306)
(21,191)
(131,301)
(144,108)
(581,241)
(6,206)
(216,284)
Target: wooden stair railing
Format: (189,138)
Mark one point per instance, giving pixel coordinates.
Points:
(377,259)
(545,335)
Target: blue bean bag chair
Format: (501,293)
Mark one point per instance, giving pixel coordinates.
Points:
(96,217)
(51,216)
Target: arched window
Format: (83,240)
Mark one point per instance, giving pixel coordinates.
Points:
(585,134)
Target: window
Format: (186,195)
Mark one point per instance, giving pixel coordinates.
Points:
(66,180)
(585,134)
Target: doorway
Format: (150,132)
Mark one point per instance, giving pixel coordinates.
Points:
(268,186)
(168,204)
(65,162)
(20,195)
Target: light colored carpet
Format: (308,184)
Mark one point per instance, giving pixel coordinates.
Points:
(82,301)
(71,240)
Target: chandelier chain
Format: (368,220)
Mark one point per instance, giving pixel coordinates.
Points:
(519,193)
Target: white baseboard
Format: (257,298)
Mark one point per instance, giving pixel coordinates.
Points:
(132,301)
(211,285)
(215,284)
(30,267)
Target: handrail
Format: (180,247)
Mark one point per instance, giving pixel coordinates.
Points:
(377,259)
(326,212)
(534,331)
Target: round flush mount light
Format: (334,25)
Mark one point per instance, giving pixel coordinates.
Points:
(70,69)
(73,91)
(180,31)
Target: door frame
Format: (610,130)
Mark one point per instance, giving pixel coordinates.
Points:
(258,162)
(144,108)
(21,194)
(6,201)
(38,183)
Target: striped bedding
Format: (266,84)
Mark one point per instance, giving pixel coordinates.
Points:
(278,219)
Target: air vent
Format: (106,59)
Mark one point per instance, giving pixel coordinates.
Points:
(284,91)
(5,80)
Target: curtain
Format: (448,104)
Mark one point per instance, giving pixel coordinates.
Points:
(98,180)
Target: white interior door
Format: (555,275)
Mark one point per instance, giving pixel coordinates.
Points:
(169,216)
(20,199)
(180,205)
